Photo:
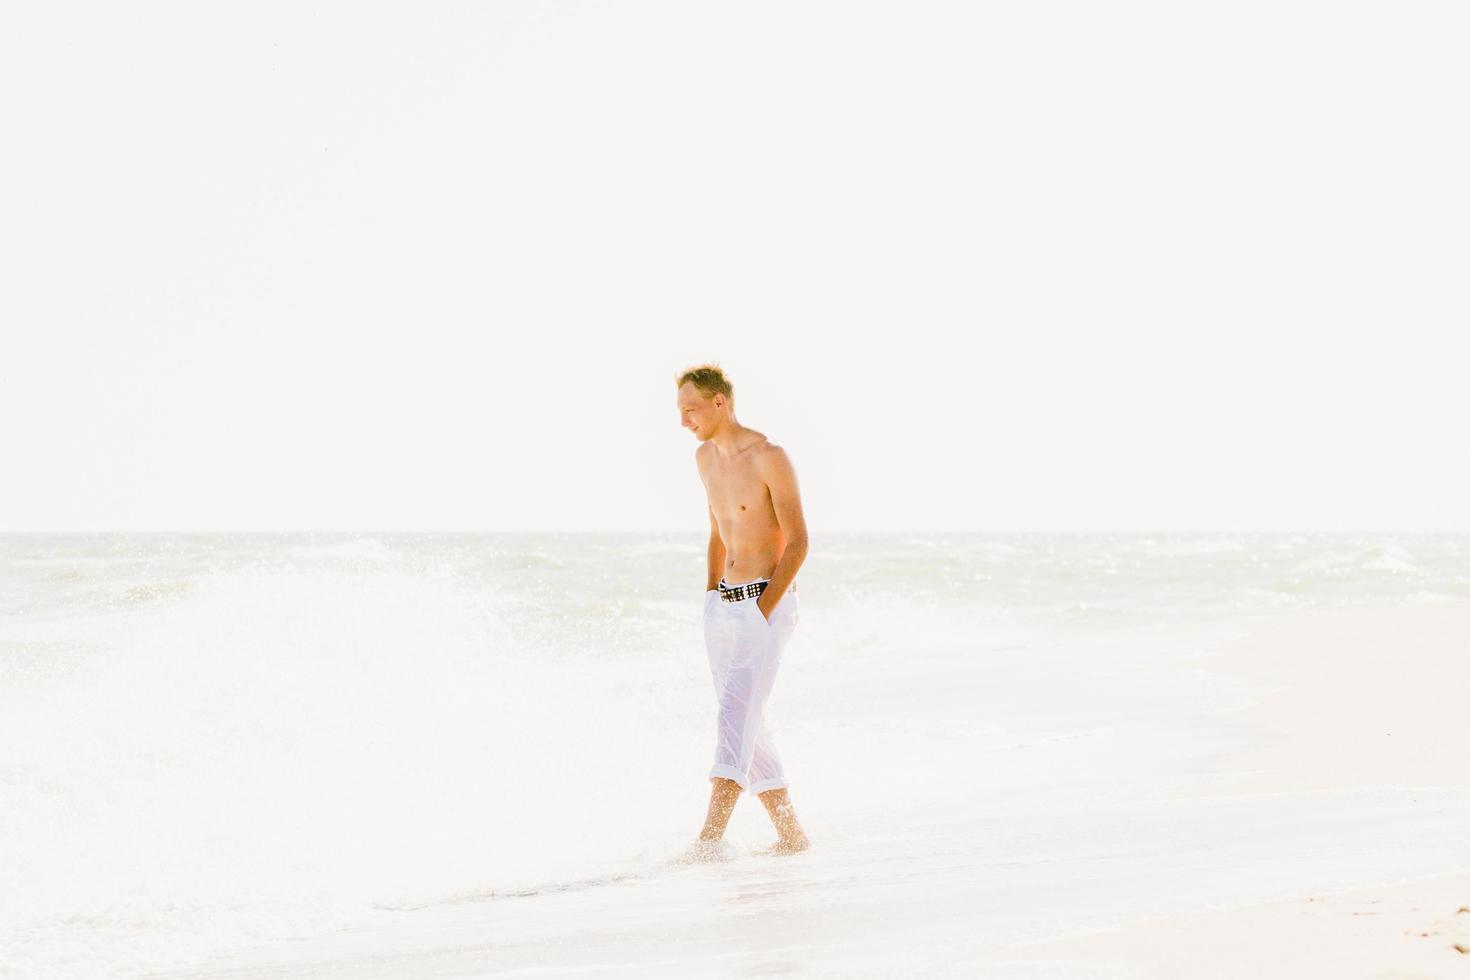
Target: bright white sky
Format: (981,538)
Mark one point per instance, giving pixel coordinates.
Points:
(993,266)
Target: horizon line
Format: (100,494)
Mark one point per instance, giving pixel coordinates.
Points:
(698,531)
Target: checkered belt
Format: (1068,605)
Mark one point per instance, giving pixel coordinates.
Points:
(740,593)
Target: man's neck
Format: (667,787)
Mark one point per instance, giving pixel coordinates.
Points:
(728,441)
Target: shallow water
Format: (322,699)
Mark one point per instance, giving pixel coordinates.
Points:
(212,744)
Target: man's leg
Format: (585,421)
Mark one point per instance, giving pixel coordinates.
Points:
(766,771)
(743,658)
(723,795)
(719,644)
(745,653)
(790,838)
(769,783)
(767,776)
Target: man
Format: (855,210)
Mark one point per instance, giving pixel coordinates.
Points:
(757,542)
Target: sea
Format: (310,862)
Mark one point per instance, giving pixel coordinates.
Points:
(409,755)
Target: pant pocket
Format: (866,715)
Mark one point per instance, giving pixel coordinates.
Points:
(784,614)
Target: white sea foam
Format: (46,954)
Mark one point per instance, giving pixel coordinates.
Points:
(283,748)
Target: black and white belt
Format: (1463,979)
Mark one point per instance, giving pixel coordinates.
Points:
(739,593)
(750,590)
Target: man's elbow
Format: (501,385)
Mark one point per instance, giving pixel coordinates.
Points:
(797,543)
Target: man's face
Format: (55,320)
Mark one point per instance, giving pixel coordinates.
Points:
(698,414)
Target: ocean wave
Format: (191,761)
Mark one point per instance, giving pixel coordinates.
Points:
(1387,559)
(272,745)
(361,549)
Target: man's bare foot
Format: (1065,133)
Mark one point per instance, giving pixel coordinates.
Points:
(788,845)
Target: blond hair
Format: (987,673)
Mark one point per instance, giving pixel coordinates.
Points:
(709,380)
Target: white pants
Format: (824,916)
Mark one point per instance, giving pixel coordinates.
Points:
(744,653)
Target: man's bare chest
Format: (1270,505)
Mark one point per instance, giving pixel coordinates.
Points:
(734,488)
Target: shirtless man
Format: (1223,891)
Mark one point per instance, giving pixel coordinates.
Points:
(757,541)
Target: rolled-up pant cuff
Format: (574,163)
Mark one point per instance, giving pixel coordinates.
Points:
(766,785)
(730,773)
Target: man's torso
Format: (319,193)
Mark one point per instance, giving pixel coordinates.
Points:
(742,508)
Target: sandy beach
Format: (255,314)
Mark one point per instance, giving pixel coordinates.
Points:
(1379,699)
(1416,931)
(1381,702)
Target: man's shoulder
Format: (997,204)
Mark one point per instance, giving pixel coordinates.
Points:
(769,453)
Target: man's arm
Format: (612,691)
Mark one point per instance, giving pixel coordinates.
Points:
(716,569)
(780,478)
